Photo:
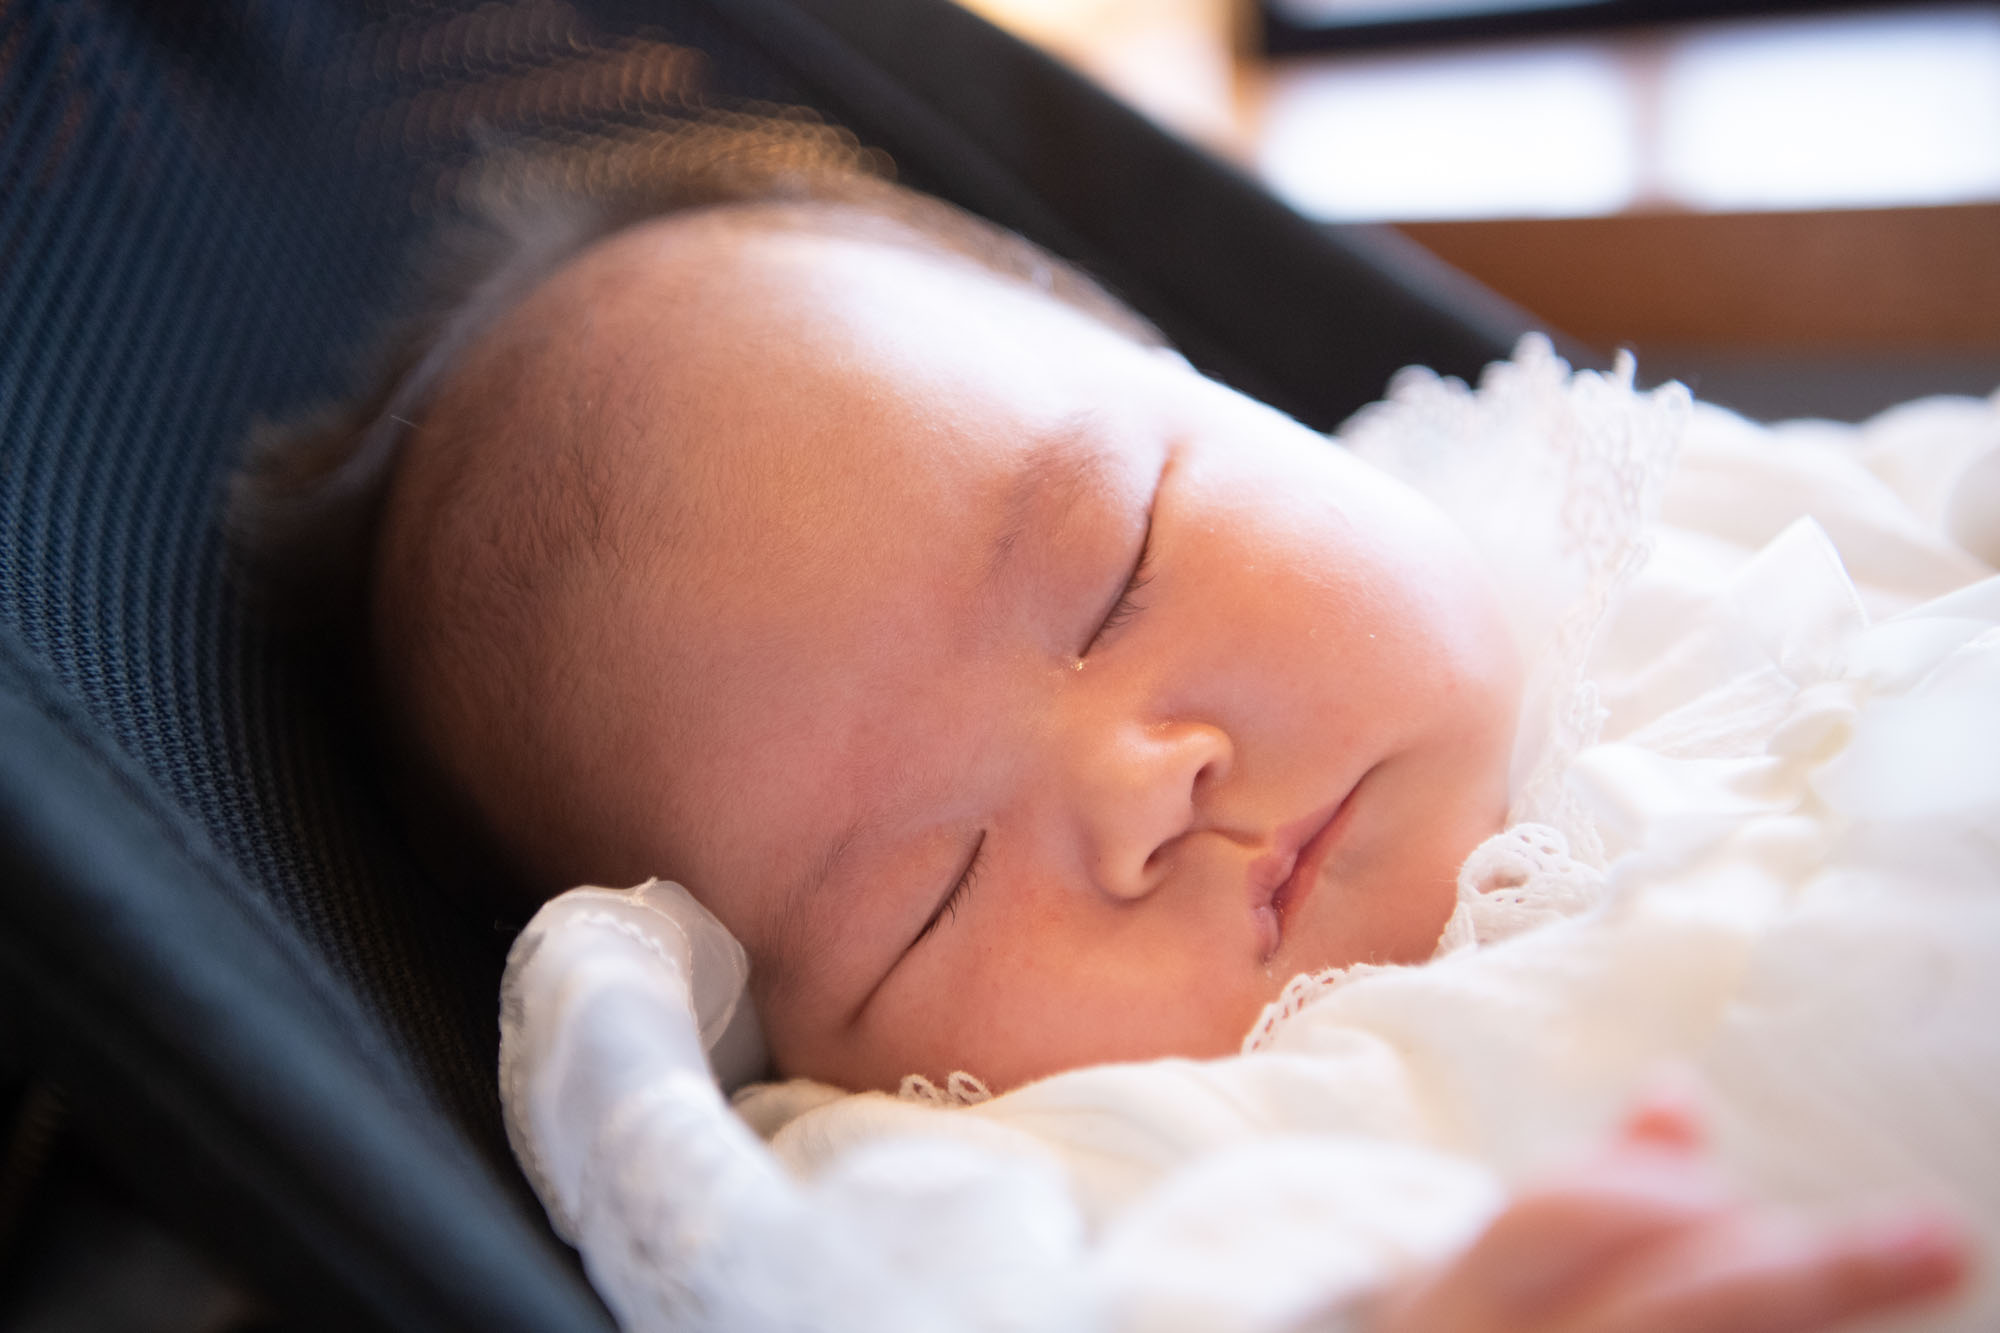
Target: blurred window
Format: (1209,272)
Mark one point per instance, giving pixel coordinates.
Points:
(1867,108)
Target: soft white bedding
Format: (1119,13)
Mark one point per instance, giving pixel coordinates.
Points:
(1772,744)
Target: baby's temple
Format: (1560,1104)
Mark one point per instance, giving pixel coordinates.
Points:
(1014,799)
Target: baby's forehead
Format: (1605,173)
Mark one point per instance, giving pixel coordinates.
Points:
(709,343)
(756,259)
(714,297)
(734,405)
(724,253)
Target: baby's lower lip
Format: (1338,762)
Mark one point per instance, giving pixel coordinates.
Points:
(1270,930)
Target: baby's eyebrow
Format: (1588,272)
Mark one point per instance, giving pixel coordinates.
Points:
(1054,475)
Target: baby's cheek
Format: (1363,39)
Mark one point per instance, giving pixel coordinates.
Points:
(791,1045)
(1015,1014)
(1017,995)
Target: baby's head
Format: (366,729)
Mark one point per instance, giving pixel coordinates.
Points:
(1017,696)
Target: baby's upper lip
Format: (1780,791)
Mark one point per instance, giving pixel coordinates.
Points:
(1284,875)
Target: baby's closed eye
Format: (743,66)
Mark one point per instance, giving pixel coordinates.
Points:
(1127,604)
(960,889)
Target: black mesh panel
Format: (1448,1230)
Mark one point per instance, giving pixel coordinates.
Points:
(202,212)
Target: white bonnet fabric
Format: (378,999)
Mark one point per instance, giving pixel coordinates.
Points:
(667,981)
(711,960)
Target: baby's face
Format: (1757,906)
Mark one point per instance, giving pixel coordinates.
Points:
(1020,698)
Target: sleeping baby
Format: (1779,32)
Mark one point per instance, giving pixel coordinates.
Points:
(1029,717)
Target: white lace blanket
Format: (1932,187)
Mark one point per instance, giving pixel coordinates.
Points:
(1760,838)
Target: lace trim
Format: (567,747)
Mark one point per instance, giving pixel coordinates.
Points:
(1555,478)
(1617,461)
(1300,993)
(960,1089)
(1519,878)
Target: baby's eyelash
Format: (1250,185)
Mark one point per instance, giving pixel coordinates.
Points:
(1128,603)
(949,907)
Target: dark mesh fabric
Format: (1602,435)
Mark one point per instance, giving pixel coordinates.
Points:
(201,212)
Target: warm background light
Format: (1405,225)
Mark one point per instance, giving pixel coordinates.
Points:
(1861,109)
(1892,106)
(1174,59)
(1841,110)
(1550,130)
(1796,213)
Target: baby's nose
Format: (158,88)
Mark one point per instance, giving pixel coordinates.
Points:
(1140,789)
